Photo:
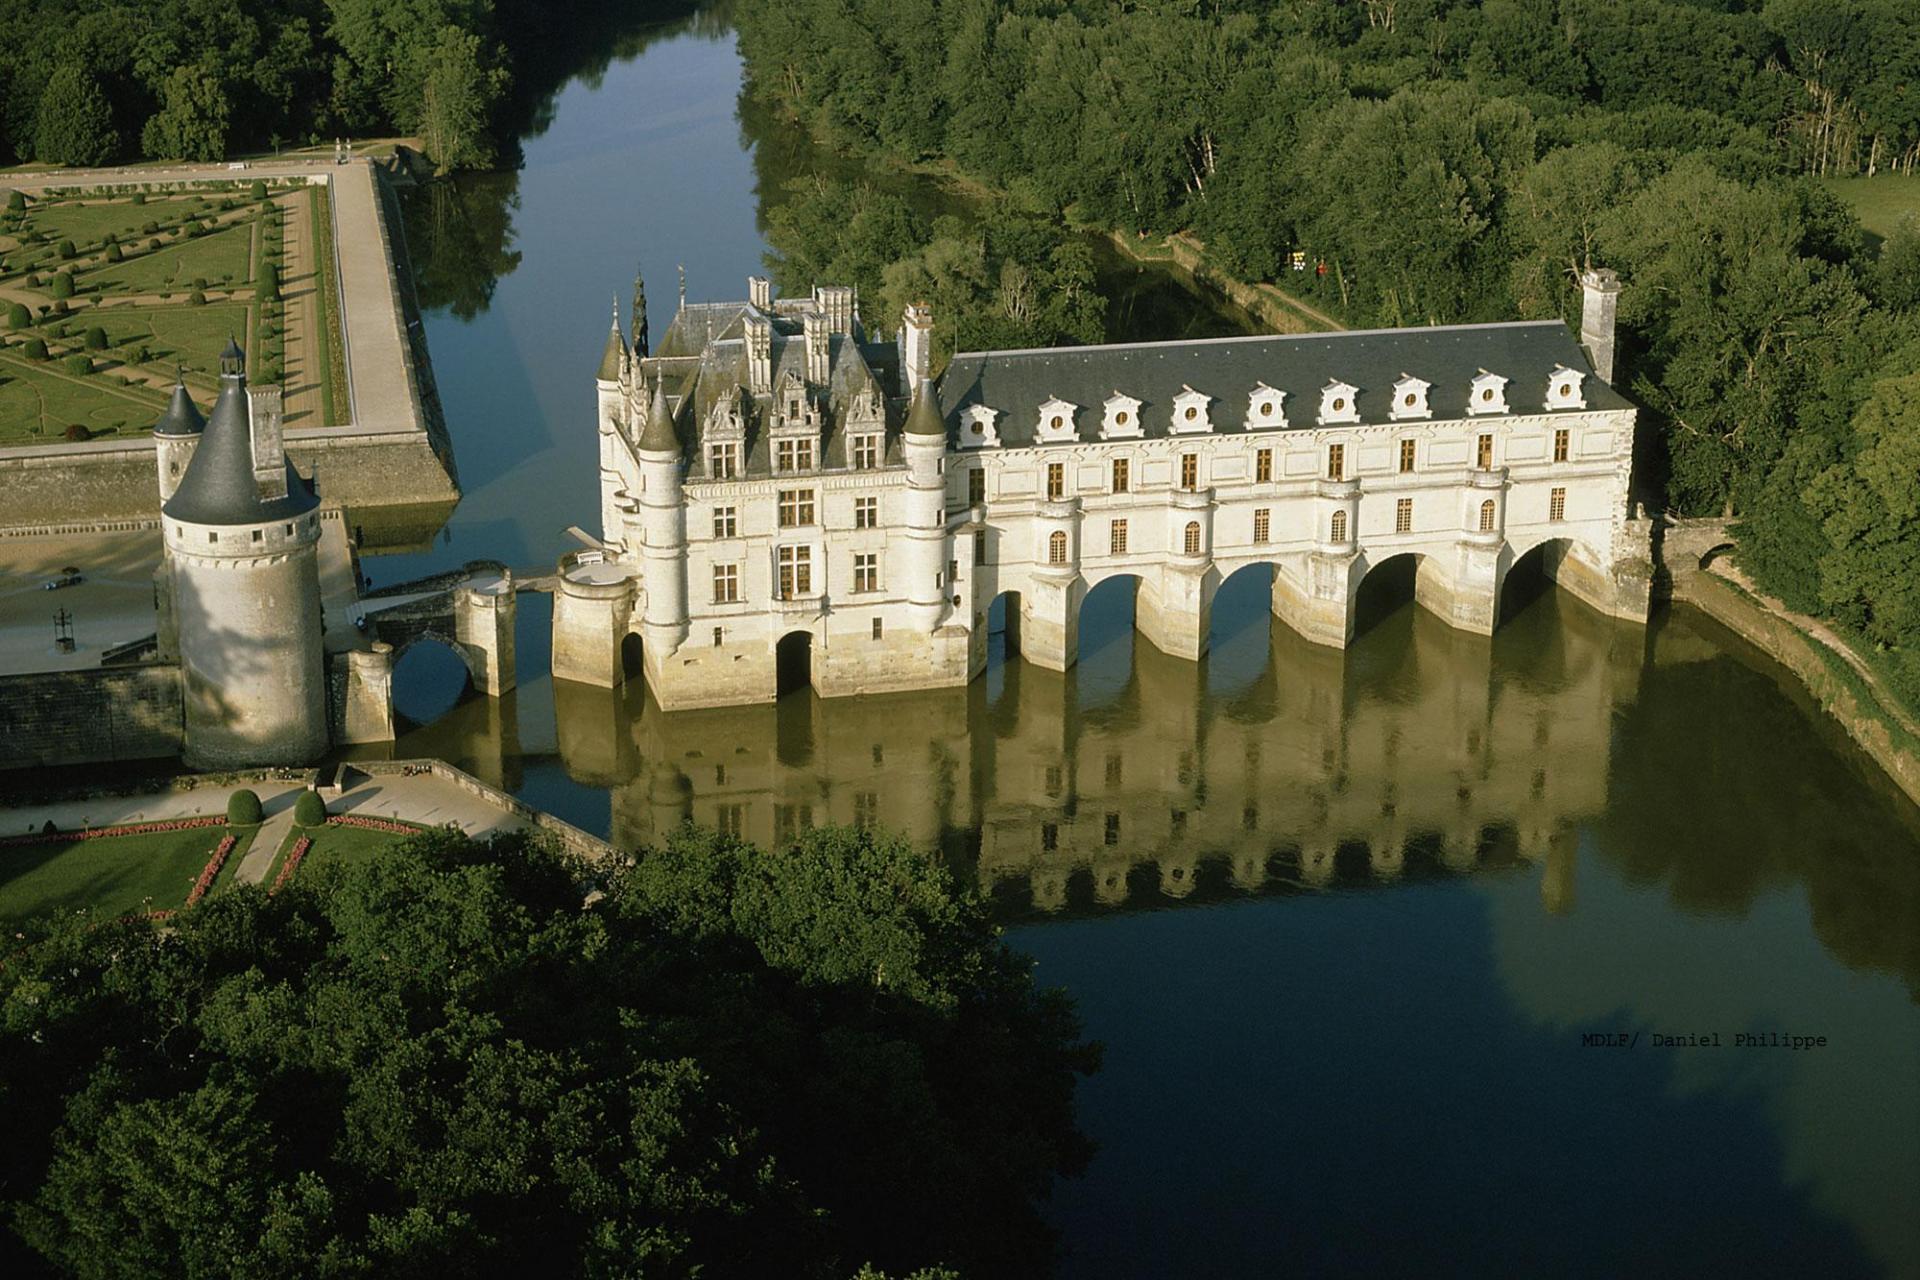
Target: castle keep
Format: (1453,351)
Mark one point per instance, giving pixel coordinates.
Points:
(784,499)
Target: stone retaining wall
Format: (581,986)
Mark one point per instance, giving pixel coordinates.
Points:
(90,716)
(571,837)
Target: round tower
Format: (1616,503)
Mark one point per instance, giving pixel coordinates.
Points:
(663,527)
(242,537)
(925,445)
(175,436)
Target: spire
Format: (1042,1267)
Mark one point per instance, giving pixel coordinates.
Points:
(659,436)
(924,419)
(219,486)
(610,358)
(683,286)
(182,417)
(639,314)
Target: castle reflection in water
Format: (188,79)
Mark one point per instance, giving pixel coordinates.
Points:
(1275,763)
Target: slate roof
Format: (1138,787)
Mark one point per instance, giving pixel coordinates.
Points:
(1228,369)
(219,487)
(182,416)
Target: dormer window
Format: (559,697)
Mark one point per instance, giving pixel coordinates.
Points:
(977,427)
(1190,415)
(1120,419)
(1339,402)
(1564,389)
(1410,398)
(1056,421)
(1487,393)
(1266,407)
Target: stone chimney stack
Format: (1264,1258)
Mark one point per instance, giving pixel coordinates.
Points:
(759,353)
(760,293)
(815,324)
(916,344)
(840,302)
(1600,298)
(269,445)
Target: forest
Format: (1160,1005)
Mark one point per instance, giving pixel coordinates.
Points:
(1442,161)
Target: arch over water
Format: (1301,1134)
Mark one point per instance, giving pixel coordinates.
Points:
(1386,586)
(793,662)
(431,676)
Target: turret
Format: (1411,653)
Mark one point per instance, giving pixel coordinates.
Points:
(663,529)
(614,363)
(1599,299)
(174,437)
(925,444)
(916,344)
(639,315)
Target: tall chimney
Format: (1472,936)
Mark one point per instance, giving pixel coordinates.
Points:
(814,323)
(1600,298)
(916,344)
(269,448)
(759,353)
(760,293)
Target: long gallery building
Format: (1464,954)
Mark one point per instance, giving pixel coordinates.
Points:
(785,500)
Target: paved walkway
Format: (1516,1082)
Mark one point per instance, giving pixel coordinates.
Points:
(273,834)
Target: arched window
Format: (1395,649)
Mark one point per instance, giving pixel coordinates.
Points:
(1486,516)
(1056,547)
(1339,526)
(1193,537)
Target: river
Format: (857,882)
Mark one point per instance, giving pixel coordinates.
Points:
(1360,932)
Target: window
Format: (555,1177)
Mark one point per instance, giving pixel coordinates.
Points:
(1560,442)
(1191,542)
(866,452)
(866,808)
(726,585)
(1263,466)
(723,461)
(1337,529)
(953,572)
(1117,538)
(1056,480)
(1122,480)
(976,486)
(796,508)
(1056,548)
(796,572)
(212,536)
(730,819)
(1049,836)
(287,530)
(1113,829)
(1486,452)
(1056,780)
(719,635)
(1189,470)
(866,572)
(1557,505)
(1336,462)
(1262,524)
(876,628)
(979,546)
(794,455)
(1115,770)
(259,535)
(866,513)
(1406,456)
(1403,516)
(726,523)
(1486,516)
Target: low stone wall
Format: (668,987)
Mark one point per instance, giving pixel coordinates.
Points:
(570,837)
(90,716)
(1850,702)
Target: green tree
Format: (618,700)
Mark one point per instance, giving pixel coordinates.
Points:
(456,103)
(74,125)
(268,285)
(63,285)
(1896,278)
(96,338)
(193,120)
(18,317)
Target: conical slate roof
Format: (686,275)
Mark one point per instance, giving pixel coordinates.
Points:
(658,436)
(610,358)
(924,419)
(182,417)
(219,487)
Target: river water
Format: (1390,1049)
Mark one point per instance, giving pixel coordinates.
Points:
(1352,928)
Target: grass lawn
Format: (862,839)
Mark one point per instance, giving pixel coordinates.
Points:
(222,259)
(110,877)
(91,222)
(1879,201)
(334,847)
(178,334)
(38,402)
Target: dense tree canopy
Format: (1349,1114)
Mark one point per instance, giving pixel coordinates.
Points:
(725,1063)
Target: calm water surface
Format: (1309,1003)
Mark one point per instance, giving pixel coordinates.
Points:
(1342,921)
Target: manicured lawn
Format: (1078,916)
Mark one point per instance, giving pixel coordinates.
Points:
(1879,201)
(334,846)
(109,877)
(91,222)
(38,402)
(179,334)
(220,258)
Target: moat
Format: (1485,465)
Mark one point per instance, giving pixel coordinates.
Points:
(1352,928)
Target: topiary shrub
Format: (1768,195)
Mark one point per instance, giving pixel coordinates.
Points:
(199,282)
(149,228)
(140,356)
(113,253)
(36,349)
(197,299)
(96,339)
(63,285)
(78,433)
(78,363)
(18,317)
(139,197)
(269,287)
(310,810)
(258,190)
(16,203)
(243,808)
(153,244)
(65,250)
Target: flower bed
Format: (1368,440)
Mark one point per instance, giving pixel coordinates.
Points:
(371,824)
(292,863)
(212,869)
(102,833)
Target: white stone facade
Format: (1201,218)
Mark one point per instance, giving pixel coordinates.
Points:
(1311,459)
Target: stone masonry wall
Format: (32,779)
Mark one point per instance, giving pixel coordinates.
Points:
(86,717)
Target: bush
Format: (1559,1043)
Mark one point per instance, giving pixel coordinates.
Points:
(140,356)
(153,244)
(243,808)
(310,810)
(149,228)
(258,190)
(200,282)
(139,197)
(63,285)
(36,349)
(60,307)
(96,339)
(113,253)
(78,433)
(269,282)
(78,363)
(18,317)
(197,299)
(17,203)
(65,250)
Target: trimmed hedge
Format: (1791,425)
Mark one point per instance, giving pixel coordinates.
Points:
(243,808)
(310,810)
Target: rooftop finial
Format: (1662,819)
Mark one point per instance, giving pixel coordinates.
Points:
(683,286)
(639,314)
(233,361)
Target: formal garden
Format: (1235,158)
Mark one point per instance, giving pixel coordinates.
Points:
(108,294)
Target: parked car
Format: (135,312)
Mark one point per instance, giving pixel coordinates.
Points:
(68,577)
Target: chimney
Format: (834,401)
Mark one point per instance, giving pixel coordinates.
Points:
(838,301)
(760,293)
(269,448)
(916,344)
(1600,297)
(815,325)
(759,353)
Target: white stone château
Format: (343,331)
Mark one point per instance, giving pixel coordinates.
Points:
(783,498)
